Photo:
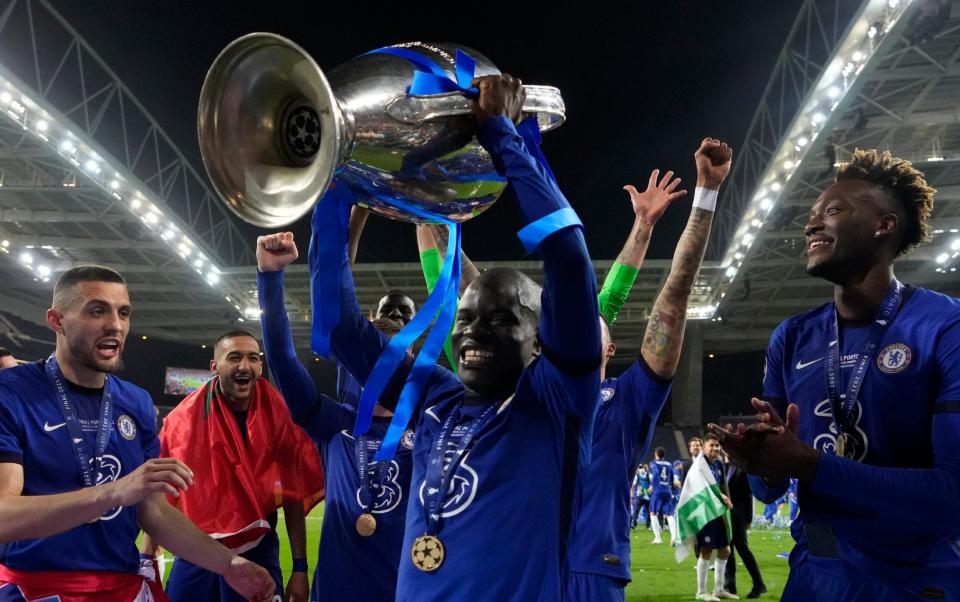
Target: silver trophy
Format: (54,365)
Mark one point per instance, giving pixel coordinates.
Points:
(275,131)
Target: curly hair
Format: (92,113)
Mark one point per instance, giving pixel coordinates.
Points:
(900,179)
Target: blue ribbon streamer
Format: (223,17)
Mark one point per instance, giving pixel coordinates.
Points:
(330,217)
(430,79)
(424,365)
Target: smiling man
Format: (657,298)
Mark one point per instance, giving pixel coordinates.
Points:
(496,454)
(248,459)
(78,472)
(869,386)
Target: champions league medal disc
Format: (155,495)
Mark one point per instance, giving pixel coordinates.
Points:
(842,445)
(427,553)
(366,524)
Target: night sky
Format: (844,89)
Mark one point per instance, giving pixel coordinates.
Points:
(643,84)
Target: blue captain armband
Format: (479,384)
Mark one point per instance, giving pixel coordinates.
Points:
(535,233)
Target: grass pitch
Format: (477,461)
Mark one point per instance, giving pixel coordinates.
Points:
(656,575)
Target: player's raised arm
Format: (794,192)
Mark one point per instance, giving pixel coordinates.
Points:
(648,207)
(664,334)
(274,253)
(569,333)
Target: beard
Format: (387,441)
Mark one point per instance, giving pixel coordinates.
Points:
(87,356)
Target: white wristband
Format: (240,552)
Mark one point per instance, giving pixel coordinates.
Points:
(705,198)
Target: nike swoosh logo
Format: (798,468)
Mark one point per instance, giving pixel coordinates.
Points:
(50,428)
(802,365)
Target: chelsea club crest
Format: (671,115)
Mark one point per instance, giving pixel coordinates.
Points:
(894,358)
(126,427)
(407,439)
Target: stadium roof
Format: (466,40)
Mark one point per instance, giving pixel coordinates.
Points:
(87,175)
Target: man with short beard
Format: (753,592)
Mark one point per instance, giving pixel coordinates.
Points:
(248,458)
(79,475)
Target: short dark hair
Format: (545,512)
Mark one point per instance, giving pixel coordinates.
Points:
(902,182)
(711,437)
(659,452)
(398,293)
(236,332)
(63,293)
(692,439)
(4,352)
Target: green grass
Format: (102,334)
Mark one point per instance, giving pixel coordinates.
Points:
(656,575)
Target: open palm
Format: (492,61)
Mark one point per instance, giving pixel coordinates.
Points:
(652,202)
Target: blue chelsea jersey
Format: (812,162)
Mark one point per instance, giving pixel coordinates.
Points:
(33,433)
(915,371)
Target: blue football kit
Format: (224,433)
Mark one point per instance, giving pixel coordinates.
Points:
(878,520)
(35,434)
(599,544)
(663,475)
(507,467)
(349,565)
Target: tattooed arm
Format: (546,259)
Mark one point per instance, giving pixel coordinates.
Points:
(664,335)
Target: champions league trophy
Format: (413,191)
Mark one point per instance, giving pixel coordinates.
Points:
(395,125)
(394,130)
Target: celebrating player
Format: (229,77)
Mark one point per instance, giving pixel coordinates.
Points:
(360,541)
(599,547)
(78,472)
(662,502)
(862,402)
(482,441)
(249,458)
(713,536)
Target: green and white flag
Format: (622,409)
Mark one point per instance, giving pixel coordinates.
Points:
(700,503)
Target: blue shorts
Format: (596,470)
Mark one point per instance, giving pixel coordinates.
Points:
(587,587)
(713,535)
(661,502)
(808,584)
(188,582)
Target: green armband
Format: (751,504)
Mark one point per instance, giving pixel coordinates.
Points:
(431,262)
(616,289)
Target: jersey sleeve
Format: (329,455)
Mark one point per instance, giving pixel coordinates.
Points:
(642,395)
(569,329)
(947,398)
(150,439)
(615,290)
(329,419)
(292,378)
(774,389)
(11,432)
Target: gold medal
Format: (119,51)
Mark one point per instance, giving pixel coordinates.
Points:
(427,553)
(366,524)
(842,445)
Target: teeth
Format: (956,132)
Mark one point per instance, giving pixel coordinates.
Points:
(817,243)
(477,354)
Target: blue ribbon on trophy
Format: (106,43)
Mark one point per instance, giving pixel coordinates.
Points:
(326,251)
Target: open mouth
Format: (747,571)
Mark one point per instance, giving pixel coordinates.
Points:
(242,380)
(817,244)
(108,348)
(476,357)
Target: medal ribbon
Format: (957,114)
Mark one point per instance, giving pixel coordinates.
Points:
(72,419)
(363,457)
(842,409)
(439,473)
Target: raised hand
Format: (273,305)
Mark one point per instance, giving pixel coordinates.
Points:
(499,95)
(250,580)
(650,204)
(157,475)
(276,251)
(713,163)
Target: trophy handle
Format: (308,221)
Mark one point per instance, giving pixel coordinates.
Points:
(544,101)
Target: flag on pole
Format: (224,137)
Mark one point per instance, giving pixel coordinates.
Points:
(700,503)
